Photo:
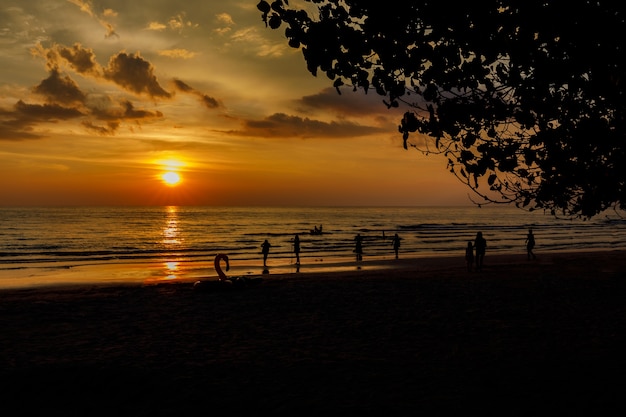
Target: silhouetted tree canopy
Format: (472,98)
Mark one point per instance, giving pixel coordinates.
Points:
(525,98)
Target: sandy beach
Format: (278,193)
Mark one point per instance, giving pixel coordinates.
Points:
(417,337)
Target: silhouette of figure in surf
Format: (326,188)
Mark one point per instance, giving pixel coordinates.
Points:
(296,248)
(395,242)
(530,244)
(358,247)
(265,249)
(480,244)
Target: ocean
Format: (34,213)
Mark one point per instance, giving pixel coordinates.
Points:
(44,245)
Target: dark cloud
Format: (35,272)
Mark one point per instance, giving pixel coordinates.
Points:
(15,129)
(60,90)
(83,60)
(114,115)
(108,129)
(135,74)
(19,123)
(101,113)
(206,100)
(125,110)
(46,112)
(283,125)
(129,112)
(129,71)
(209,102)
(349,103)
(182,86)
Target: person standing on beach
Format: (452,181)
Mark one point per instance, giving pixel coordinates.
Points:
(480,244)
(395,241)
(469,256)
(296,248)
(358,247)
(265,250)
(530,244)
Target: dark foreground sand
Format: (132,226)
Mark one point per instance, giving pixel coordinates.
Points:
(545,337)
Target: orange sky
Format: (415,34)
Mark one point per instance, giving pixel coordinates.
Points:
(99,98)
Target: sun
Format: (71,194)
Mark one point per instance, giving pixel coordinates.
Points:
(171,178)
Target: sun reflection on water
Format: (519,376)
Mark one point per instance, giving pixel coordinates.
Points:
(171,269)
(171,238)
(171,233)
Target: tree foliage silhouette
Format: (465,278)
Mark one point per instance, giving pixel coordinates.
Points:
(525,98)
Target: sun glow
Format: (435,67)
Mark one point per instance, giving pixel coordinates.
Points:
(171,178)
(170,171)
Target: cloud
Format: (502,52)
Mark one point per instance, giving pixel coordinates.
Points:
(101,113)
(86,7)
(83,60)
(109,129)
(129,71)
(156,26)
(182,86)
(226,22)
(225,19)
(281,125)
(135,74)
(177,53)
(209,102)
(112,116)
(347,104)
(206,100)
(126,111)
(46,112)
(252,40)
(19,123)
(15,127)
(177,23)
(60,90)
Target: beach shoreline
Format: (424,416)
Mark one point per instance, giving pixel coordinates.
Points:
(175,271)
(521,337)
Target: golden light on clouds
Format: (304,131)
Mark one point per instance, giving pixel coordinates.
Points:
(171,164)
(201,101)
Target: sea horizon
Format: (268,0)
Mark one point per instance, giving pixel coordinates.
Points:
(42,245)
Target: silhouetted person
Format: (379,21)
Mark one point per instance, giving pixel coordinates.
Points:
(266,251)
(530,244)
(296,248)
(480,244)
(395,241)
(469,256)
(358,247)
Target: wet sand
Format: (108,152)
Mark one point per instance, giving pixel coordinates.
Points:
(419,336)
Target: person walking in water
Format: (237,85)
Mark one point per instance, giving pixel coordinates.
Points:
(265,250)
(395,242)
(480,244)
(358,247)
(296,248)
(469,256)
(530,244)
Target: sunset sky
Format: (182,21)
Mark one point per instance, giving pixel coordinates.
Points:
(99,99)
